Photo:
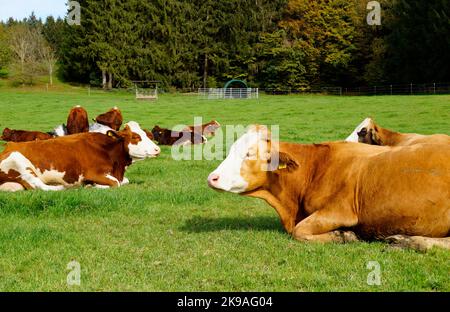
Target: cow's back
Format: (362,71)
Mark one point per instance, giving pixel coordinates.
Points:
(405,190)
(411,139)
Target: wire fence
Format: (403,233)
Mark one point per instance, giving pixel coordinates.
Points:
(400,89)
(317,90)
(392,89)
(253,93)
(228,93)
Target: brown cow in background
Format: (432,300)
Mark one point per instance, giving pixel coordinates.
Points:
(77,121)
(209,128)
(112,118)
(168,137)
(23,135)
(369,132)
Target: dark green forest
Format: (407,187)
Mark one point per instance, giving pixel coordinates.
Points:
(277,44)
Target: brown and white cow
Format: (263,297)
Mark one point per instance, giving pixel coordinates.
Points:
(328,192)
(169,137)
(112,119)
(370,133)
(206,129)
(80,159)
(10,135)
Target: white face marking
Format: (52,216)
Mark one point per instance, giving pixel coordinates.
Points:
(229,171)
(145,147)
(28,173)
(354,136)
(99,128)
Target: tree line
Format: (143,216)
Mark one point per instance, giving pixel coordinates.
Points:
(278,44)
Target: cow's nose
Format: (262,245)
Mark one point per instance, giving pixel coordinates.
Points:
(213,179)
(157,150)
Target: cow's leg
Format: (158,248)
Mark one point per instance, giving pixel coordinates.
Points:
(322,226)
(27,172)
(420,243)
(103,181)
(125,181)
(11,187)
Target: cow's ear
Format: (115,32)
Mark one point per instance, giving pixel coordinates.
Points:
(375,138)
(113,134)
(149,134)
(286,162)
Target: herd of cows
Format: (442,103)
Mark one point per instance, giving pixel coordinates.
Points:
(377,184)
(78,153)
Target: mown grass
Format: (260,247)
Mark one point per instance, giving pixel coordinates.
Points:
(167,231)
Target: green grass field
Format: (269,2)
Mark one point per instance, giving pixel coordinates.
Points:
(167,231)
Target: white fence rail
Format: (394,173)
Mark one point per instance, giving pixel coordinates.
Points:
(228,93)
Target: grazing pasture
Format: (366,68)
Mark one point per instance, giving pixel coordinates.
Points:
(167,231)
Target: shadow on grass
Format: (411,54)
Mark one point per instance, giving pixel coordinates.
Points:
(202,224)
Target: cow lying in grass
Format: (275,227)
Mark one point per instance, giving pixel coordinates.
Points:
(328,192)
(169,137)
(370,133)
(206,129)
(10,135)
(80,159)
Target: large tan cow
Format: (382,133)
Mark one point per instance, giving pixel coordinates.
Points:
(80,159)
(370,133)
(327,192)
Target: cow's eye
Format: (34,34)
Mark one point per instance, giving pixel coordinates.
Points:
(247,155)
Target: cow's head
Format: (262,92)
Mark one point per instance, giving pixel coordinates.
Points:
(249,163)
(6,134)
(214,123)
(112,118)
(149,134)
(157,132)
(136,141)
(212,126)
(368,134)
(363,133)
